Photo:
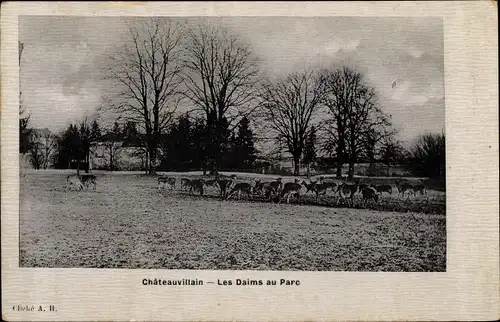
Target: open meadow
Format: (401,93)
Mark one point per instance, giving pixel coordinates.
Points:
(127,222)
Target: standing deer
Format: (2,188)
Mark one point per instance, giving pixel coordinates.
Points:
(349,189)
(224,185)
(196,185)
(404,187)
(309,186)
(332,184)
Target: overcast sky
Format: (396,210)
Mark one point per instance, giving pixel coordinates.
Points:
(62,58)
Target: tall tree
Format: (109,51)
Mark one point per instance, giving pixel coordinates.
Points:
(244,152)
(201,142)
(68,146)
(178,146)
(391,153)
(49,145)
(354,115)
(147,71)
(290,105)
(220,77)
(310,150)
(36,152)
(95,130)
(112,142)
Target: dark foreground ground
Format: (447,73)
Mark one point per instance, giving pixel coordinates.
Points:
(128,223)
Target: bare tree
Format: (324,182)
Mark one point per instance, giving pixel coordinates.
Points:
(365,119)
(49,145)
(391,152)
(221,77)
(290,104)
(147,71)
(36,152)
(339,88)
(354,116)
(113,147)
(374,140)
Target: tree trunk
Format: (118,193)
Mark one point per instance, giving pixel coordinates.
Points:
(296,166)
(111,161)
(352,159)
(308,170)
(350,173)
(340,160)
(87,162)
(338,173)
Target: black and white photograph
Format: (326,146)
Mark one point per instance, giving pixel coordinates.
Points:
(239,161)
(232,143)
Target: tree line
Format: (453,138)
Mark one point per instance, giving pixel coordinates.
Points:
(216,75)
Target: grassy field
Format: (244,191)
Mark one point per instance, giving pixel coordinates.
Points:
(128,223)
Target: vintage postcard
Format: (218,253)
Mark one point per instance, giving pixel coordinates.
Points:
(270,161)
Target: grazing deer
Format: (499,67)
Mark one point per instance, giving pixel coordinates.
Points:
(333,185)
(223,184)
(384,188)
(73,180)
(164,181)
(88,179)
(404,187)
(276,184)
(309,186)
(349,189)
(321,189)
(241,187)
(211,183)
(269,190)
(258,187)
(196,185)
(420,188)
(369,193)
(185,183)
(362,186)
(289,189)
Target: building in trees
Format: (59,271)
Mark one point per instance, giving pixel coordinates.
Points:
(146,71)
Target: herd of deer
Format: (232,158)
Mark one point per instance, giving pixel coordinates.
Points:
(277,189)
(280,190)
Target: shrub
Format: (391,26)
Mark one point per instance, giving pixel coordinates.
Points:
(427,158)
